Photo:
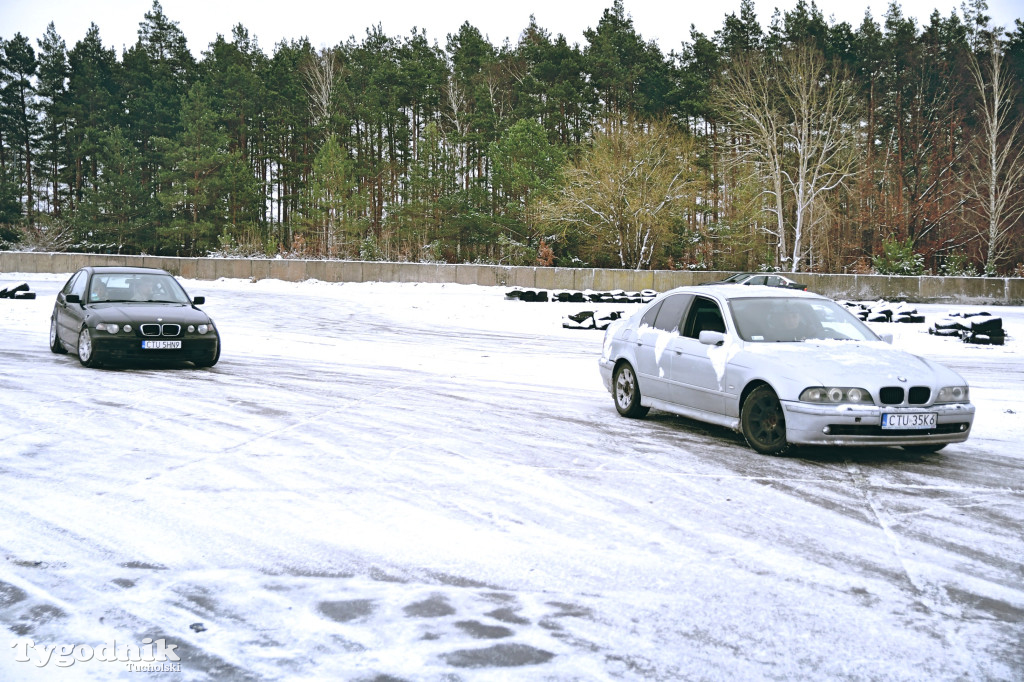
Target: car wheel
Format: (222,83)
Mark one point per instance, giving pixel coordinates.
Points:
(763,422)
(924,449)
(55,345)
(212,360)
(626,391)
(86,352)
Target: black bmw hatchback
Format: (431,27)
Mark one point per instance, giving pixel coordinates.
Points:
(108,314)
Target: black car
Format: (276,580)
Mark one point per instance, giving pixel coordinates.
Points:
(120,313)
(767,279)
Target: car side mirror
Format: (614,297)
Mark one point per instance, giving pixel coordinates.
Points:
(886,337)
(199,300)
(710,338)
(72,298)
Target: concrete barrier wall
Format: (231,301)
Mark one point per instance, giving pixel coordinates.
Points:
(1006,291)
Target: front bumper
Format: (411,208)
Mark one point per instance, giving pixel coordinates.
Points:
(808,424)
(128,348)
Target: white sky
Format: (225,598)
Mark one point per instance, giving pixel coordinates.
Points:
(332,22)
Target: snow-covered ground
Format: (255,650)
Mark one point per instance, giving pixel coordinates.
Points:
(428,482)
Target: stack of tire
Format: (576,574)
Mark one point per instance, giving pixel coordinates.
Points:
(589,319)
(19,291)
(570,296)
(527,295)
(883,311)
(979,327)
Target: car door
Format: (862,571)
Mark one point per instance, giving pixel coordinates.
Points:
(654,336)
(695,380)
(70,315)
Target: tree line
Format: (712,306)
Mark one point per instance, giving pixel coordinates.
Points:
(804,145)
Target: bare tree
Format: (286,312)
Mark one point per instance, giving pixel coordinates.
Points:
(995,183)
(457,115)
(793,118)
(319,77)
(628,187)
(748,99)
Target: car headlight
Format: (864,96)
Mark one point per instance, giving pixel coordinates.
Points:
(110,328)
(836,394)
(203,328)
(953,394)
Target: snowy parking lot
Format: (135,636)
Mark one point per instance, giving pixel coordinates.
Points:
(428,482)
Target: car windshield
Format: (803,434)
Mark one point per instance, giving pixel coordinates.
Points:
(132,287)
(796,319)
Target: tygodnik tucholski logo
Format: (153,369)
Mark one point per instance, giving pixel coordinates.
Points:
(151,656)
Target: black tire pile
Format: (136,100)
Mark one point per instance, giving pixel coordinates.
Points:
(589,319)
(884,311)
(19,291)
(588,296)
(979,327)
(585,319)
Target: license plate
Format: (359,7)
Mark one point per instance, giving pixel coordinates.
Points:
(161,345)
(913,420)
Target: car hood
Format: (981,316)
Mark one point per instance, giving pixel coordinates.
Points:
(175,313)
(847,363)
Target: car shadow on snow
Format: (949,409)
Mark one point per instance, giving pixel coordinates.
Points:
(122,365)
(677,426)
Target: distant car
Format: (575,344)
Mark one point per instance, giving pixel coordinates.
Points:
(767,279)
(783,368)
(109,314)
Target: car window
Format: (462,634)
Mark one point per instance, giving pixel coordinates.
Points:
(757,279)
(790,320)
(774,281)
(671,312)
(78,286)
(145,288)
(705,315)
(71,282)
(651,315)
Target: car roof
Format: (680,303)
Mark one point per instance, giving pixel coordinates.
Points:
(729,292)
(123,270)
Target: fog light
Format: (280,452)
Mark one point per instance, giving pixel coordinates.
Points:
(827,430)
(963,427)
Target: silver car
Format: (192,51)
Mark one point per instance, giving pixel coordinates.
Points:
(782,367)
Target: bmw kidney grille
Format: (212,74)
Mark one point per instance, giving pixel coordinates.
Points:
(160,329)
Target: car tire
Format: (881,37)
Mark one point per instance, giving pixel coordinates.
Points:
(212,360)
(55,345)
(626,392)
(763,422)
(924,449)
(86,352)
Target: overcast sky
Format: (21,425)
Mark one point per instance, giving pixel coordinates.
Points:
(329,22)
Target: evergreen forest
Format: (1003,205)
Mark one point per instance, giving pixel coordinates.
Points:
(801,144)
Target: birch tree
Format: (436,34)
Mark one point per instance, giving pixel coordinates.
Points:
(819,133)
(793,118)
(748,100)
(995,183)
(319,76)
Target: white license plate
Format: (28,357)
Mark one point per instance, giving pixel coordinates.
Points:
(161,345)
(913,420)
